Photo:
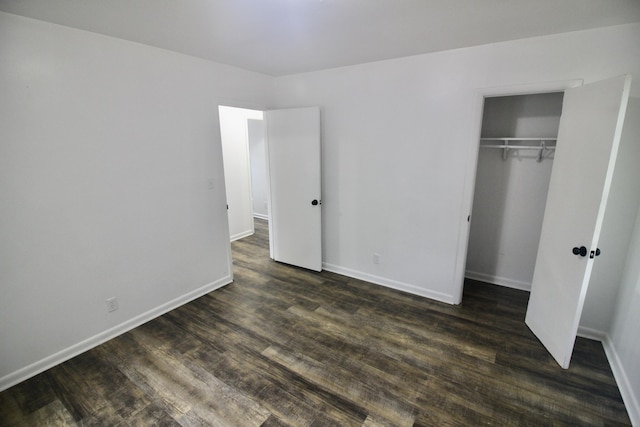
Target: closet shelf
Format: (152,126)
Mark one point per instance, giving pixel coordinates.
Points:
(542,147)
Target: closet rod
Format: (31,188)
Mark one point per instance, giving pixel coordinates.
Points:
(506,147)
(518,139)
(522,147)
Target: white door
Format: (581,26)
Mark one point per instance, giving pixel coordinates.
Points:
(588,140)
(293,151)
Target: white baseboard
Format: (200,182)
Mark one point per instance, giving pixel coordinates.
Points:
(89,343)
(241,235)
(393,284)
(629,395)
(497,280)
(592,334)
(261,216)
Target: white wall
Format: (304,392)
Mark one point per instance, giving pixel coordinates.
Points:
(522,116)
(511,194)
(237,171)
(613,298)
(399,145)
(111,183)
(258,159)
(625,341)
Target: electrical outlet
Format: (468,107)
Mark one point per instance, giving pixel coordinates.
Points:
(376,258)
(112,304)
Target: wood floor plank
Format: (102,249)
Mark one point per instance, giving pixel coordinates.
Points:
(92,388)
(196,394)
(283,346)
(334,378)
(26,398)
(244,366)
(52,414)
(151,415)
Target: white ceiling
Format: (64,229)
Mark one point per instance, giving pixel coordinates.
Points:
(280,37)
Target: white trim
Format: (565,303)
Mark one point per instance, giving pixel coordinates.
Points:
(629,395)
(591,334)
(497,280)
(529,88)
(94,341)
(241,235)
(268,178)
(261,216)
(400,286)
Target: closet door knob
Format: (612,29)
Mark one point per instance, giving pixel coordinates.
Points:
(582,251)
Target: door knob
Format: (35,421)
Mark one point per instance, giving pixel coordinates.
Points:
(582,251)
(314,202)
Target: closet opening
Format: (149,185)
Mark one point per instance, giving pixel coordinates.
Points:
(516,152)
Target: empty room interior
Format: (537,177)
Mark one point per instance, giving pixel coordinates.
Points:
(319,212)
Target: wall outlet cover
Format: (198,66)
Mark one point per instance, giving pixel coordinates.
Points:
(112,304)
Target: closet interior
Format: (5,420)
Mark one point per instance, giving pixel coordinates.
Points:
(516,151)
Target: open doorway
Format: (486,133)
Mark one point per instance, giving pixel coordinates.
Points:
(258,166)
(277,151)
(515,159)
(578,194)
(245,168)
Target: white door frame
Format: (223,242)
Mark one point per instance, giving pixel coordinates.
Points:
(239,167)
(268,176)
(221,103)
(472,161)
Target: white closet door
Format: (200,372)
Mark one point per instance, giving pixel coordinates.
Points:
(587,146)
(293,151)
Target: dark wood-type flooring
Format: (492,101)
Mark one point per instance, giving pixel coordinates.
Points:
(282,346)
